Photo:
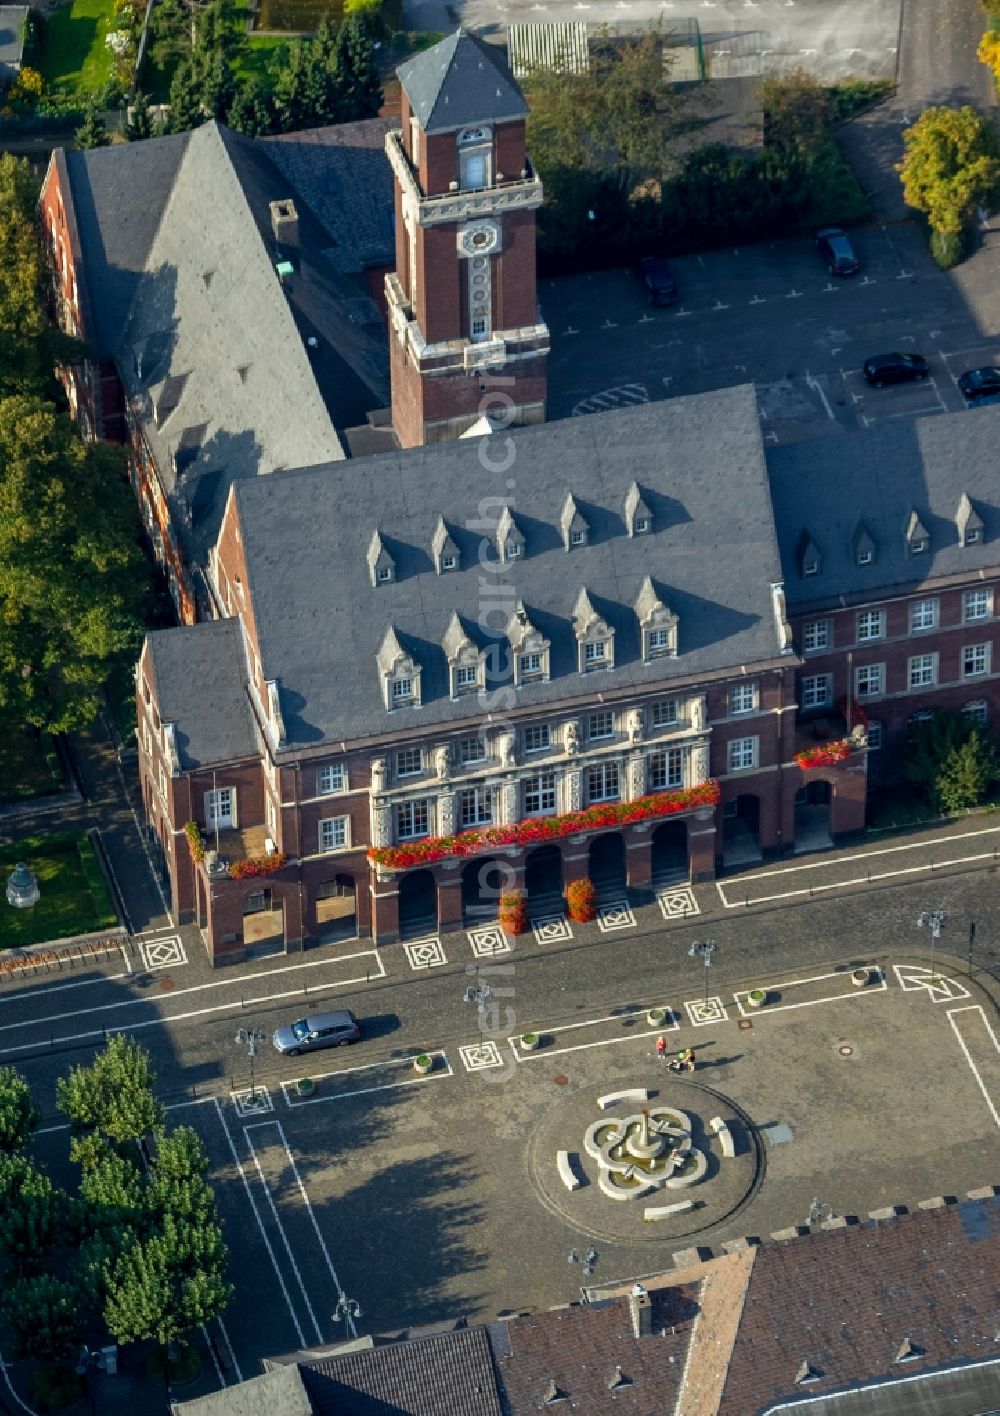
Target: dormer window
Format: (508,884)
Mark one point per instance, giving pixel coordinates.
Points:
(594,636)
(918,541)
(810,567)
(465,668)
(514,550)
(638,517)
(529,647)
(449,562)
(444,549)
(863,545)
(575,531)
(969,523)
(657,624)
(810,560)
(865,557)
(402,691)
(510,540)
(381,566)
(400,673)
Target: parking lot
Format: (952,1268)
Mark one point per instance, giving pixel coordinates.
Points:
(772,316)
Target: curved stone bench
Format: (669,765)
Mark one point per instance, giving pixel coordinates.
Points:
(613,1098)
(615,1192)
(724,1136)
(567,1174)
(678,1182)
(664,1211)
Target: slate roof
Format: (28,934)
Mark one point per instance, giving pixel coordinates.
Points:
(200,677)
(279,1392)
(461,82)
(12,17)
(823,488)
(711,554)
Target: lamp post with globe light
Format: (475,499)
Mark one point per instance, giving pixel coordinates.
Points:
(22,887)
(250,1038)
(705,952)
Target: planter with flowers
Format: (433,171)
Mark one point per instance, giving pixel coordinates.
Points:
(195,844)
(827,754)
(581,901)
(258,865)
(545,828)
(513,913)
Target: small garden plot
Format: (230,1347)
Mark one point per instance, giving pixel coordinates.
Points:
(74,897)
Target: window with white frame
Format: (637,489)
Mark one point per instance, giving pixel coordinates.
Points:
(602,782)
(977,605)
(742,698)
(411,820)
(816,690)
(330,778)
(540,793)
(977,712)
(410,762)
(666,769)
(402,692)
(471,749)
(923,615)
(810,566)
(658,642)
(334,833)
(665,713)
(530,666)
(466,678)
(595,654)
(578,538)
(869,681)
(537,737)
(876,736)
(601,725)
(743,754)
(384,574)
(449,562)
(475,806)
(871,625)
(921,670)
(975,660)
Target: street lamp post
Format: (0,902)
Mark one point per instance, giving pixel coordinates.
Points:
(934,919)
(480,994)
(705,952)
(250,1038)
(346,1311)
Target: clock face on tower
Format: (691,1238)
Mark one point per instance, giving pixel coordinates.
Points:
(479,238)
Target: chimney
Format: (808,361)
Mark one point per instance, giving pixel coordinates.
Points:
(285,222)
(641,1310)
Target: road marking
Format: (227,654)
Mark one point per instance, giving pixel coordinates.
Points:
(794,294)
(367,1067)
(976,1008)
(719,305)
(309,1210)
(912,978)
(704,1012)
(260,1225)
(850,992)
(666,1026)
(817,387)
(232,1350)
(757,300)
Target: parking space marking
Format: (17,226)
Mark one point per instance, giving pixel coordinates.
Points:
(435,1074)
(912,978)
(671,1025)
(702,1012)
(993,1062)
(851,991)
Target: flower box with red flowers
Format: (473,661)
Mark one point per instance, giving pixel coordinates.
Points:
(258,865)
(827,755)
(544,828)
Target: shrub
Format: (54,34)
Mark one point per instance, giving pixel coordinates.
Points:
(55,1387)
(513,913)
(948,248)
(581,901)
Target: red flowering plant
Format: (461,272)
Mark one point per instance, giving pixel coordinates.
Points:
(513,913)
(825,755)
(195,844)
(581,901)
(545,828)
(258,865)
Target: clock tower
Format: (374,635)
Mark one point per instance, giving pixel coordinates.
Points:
(466,336)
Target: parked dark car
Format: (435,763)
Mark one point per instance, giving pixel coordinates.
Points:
(837,251)
(319,1030)
(658,280)
(979,383)
(894,368)
(985,401)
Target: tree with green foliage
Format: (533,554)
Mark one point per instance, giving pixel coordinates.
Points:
(34,1214)
(113,1095)
(950,759)
(19,1112)
(967,772)
(185,106)
(140,123)
(69,566)
(356,72)
(251,111)
(45,1317)
(294,90)
(167,1284)
(93,132)
(951,166)
(218,87)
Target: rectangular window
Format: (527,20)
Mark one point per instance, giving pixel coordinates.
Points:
(742,698)
(384,574)
(577,538)
(869,681)
(411,820)
(537,737)
(475,806)
(594,653)
(473,166)
(923,615)
(977,605)
(975,660)
(602,782)
(816,636)
(601,725)
(402,691)
(658,641)
(220,808)
(531,666)
(816,691)
(875,737)
(977,712)
(665,713)
(471,749)
(540,794)
(871,625)
(922,670)
(410,762)
(665,769)
(334,833)
(743,754)
(467,677)
(331,778)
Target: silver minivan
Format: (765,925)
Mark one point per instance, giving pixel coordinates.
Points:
(318,1030)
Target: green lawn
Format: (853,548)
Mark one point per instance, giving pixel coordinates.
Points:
(74,57)
(29,766)
(74,898)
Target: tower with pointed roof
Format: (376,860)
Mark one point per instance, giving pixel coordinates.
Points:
(466,335)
